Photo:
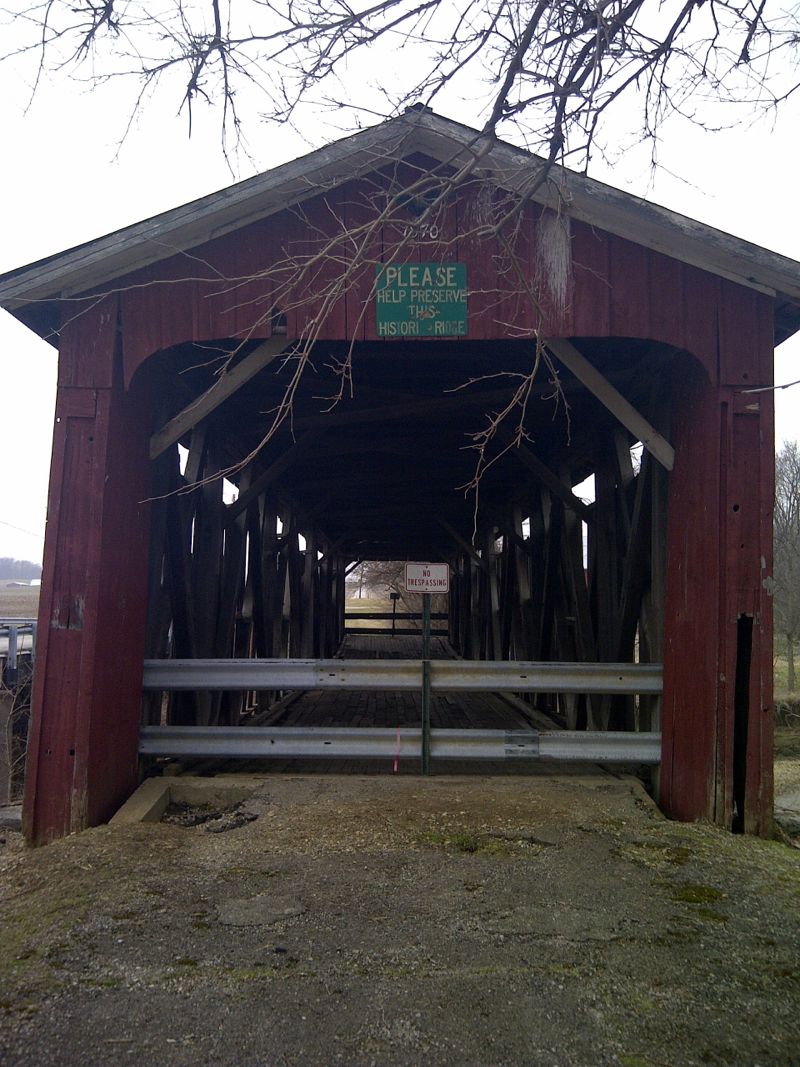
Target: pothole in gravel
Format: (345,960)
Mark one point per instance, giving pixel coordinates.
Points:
(209,817)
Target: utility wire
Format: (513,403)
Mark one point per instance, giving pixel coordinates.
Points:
(20,529)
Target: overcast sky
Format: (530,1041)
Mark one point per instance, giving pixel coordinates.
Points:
(63,182)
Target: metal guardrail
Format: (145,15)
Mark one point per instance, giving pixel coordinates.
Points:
(290,742)
(395,617)
(401,616)
(13,633)
(372,631)
(446,675)
(242,742)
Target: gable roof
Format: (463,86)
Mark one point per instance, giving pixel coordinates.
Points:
(28,290)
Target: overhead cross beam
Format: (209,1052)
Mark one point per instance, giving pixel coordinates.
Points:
(225,385)
(429,406)
(658,446)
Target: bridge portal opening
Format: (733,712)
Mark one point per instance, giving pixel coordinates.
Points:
(549,513)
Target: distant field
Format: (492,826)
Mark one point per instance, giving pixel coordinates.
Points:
(364,606)
(18,602)
(367,604)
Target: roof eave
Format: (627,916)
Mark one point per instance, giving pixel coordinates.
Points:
(98,262)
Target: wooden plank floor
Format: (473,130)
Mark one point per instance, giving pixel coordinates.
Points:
(449,711)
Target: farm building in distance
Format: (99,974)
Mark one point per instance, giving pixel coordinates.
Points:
(333,333)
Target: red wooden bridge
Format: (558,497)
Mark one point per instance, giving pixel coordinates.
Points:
(276,332)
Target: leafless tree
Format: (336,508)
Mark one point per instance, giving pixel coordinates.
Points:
(386,577)
(550,71)
(787,551)
(548,75)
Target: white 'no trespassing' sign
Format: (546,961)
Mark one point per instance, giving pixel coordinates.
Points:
(427,578)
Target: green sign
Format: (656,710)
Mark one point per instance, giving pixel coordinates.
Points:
(421,300)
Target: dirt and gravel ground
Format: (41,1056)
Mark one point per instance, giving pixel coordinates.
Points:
(399,921)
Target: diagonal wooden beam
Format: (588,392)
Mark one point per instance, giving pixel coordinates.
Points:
(273,472)
(658,446)
(461,542)
(226,385)
(545,476)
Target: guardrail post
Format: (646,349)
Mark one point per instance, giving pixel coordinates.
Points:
(426,683)
(11,658)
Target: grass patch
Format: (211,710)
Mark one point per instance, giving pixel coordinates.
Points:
(787,742)
(483,844)
(711,916)
(468,843)
(696,894)
(650,854)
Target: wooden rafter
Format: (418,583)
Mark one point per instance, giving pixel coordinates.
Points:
(225,386)
(613,401)
(430,406)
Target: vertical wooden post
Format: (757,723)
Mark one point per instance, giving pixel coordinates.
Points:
(717,715)
(82,756)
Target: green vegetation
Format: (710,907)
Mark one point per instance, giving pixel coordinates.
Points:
(482,844)
(473,844)
(696,894)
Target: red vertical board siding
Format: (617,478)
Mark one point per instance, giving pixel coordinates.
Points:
(692,599)
(738,335)
(665,295)
(240,300)
(478,252)
(362,204)
(87,684)
(51,747)
(519,310)
(161,307)
(759,785)
(591,301)
(719,557)
(113,687)
(88,329)
(316,247)
(745,336)
(701,318)
(630,293)
(489,314)
(748,564)
(225,288)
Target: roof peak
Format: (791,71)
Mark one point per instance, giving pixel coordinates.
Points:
(418,129)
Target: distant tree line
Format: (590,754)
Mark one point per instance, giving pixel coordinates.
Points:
(19,568)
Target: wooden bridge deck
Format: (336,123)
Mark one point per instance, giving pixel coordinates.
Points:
(453,711)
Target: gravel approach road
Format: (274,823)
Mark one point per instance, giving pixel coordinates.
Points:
(402,921)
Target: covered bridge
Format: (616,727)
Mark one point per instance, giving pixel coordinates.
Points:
(358,337)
